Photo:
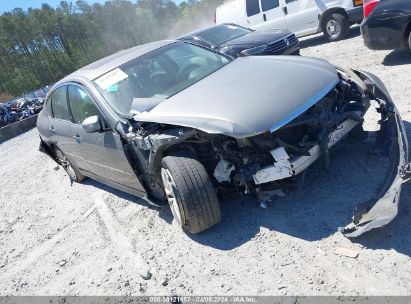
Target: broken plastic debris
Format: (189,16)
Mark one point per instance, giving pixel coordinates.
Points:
(223,171)
(351,253)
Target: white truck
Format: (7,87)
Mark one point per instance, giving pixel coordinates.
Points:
(303,17)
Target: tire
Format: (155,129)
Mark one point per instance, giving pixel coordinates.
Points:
(335,27)
(190,193)
(409,41)
(71,170)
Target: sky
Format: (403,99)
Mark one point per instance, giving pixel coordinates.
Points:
(8,5)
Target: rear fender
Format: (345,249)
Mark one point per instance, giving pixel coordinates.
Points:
(48,150)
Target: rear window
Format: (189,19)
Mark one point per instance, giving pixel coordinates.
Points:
(269,4)
(48,105)
(253,7)
(222,33)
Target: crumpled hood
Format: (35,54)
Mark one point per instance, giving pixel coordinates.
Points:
(248,96)
(258,38)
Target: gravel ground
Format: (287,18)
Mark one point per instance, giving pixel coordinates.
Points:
(88,239)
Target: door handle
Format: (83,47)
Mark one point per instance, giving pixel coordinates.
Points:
(285,10)
(265,17)
(78,138)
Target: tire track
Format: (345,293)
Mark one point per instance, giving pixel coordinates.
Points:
(121,242)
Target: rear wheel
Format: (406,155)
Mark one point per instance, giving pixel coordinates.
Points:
(189,192)
(409,41)
(336,27)
(71,170)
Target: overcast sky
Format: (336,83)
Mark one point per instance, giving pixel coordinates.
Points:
(8,5)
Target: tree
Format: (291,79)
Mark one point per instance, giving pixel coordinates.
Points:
(40,46)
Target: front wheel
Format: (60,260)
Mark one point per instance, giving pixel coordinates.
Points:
(190,193)
(335,27)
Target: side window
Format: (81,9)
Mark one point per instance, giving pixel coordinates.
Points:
(267,5)
(81,104)
(59,104)
(253,7)
(48,105)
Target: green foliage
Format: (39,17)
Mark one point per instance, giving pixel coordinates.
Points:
(41,46)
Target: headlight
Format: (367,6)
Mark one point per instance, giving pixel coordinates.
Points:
(254,51)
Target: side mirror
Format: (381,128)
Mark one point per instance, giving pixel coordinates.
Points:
(91,124)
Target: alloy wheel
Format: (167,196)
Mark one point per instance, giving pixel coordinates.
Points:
(66,165)
(169,189)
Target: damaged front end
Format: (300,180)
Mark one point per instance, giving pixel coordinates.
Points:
(267,163)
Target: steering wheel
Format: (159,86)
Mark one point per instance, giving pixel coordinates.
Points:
(184,73)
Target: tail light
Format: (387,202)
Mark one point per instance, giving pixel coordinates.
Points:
(369,6)
(215,17)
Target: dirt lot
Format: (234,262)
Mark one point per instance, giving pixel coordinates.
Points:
(57,239)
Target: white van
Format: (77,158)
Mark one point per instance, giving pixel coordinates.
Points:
(303,17)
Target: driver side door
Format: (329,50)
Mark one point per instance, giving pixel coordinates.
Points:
(100,154)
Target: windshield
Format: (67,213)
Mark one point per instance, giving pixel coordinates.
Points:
(157,76)
(222,33)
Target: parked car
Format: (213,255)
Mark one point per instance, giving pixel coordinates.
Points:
(302,17)
(235,40)
(387,24)
(176,121)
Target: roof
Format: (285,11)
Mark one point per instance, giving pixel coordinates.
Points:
(104,65)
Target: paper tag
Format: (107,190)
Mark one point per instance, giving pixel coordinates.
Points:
(111,78)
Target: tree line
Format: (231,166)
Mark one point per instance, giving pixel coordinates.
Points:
(40,46)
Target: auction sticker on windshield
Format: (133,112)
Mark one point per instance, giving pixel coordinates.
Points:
(111,78)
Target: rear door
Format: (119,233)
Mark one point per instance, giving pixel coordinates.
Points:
(60,127)
(301,16)
(101,154)
(273,15)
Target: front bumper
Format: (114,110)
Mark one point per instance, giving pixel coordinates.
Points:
(293,50)
(383,208)
(391,140)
